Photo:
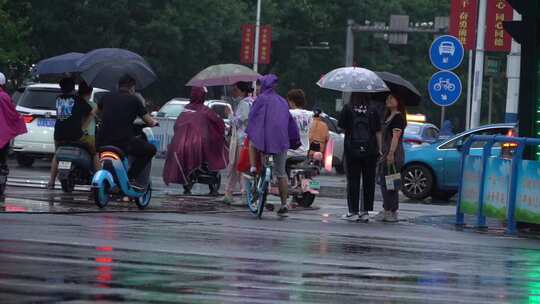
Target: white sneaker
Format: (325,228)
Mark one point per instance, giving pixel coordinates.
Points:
(391,217)
(380,216)
(351,217)
(363,217)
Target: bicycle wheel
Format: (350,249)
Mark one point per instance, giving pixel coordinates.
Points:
(263,192)
(252,194)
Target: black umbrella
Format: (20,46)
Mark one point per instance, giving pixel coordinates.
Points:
(58,65)
(402,88)
(106,75)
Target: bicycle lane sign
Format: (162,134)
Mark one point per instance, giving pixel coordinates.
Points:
(444,88)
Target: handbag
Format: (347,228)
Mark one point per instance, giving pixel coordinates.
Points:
(392,178)
(243,164)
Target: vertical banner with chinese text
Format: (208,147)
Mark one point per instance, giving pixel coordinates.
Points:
(463,22)
(248,43)
(265,44)
(497,39)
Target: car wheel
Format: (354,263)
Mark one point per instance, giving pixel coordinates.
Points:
(25,160)
(441,195)
(417,182)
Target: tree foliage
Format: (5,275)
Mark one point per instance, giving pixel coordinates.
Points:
(181,37)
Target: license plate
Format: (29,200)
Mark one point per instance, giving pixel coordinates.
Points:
(64,165)
(46,122)
(315,185)
(3,179)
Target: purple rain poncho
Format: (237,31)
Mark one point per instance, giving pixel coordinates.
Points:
(271,128)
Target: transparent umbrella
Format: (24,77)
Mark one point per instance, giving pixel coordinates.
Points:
(353,79)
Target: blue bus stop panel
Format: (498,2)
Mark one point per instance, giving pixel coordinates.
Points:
(444,88)
(446,53)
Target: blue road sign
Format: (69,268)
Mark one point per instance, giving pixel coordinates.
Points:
(446,53)
(444,88)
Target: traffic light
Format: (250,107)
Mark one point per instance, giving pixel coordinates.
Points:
(527,33)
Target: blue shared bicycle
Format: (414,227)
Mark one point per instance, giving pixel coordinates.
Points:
(257,187)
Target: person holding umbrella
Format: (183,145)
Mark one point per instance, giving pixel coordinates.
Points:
(363,137)
(241,92)
(393,155)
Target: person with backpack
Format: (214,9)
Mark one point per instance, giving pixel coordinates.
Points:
(363,139)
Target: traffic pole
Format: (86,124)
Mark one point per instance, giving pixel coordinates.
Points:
(349,53)
(513,70)
(479,65)
(257,33)
(469,92)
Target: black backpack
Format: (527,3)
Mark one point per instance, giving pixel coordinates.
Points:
(362,141)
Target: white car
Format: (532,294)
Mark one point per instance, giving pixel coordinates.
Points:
(37,104)
(174,107)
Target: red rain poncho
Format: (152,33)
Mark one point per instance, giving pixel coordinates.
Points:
(198,139)
(11,122)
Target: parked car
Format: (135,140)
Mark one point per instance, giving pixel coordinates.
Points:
(419,133)
(37,104)
(434,170)
(173,108)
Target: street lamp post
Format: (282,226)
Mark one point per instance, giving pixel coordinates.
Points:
(257,32)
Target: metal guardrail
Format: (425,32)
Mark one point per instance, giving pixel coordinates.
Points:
(163,134)
(508,185)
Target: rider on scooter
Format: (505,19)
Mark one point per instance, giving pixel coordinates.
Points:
(199,139)
(118,110)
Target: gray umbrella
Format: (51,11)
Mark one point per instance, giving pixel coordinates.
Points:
(353,79)
(106,75)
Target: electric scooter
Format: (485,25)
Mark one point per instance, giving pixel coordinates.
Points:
(204,176)
(112,180)
(75,166)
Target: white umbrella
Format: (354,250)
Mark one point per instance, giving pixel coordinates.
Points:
(353,79)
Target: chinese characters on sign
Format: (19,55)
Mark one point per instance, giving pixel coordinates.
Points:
(497,39)
(471,180)
(497,187)
(528,192)
(248,44)
(463,22)
(265,44)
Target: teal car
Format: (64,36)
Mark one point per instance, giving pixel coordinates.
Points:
(434,169)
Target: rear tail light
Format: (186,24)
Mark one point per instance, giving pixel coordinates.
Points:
(109,155)
(28,118)
(510,144)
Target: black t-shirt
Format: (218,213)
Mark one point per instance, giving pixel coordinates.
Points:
(71,111)
(397,122)
(118,111)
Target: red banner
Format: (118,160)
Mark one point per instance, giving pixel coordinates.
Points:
(265,44)
(463,22)
(497,39)
(248,43)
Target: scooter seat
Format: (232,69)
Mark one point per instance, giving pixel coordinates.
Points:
(295,160)
(113,149)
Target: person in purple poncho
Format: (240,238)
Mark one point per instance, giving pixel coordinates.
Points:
(272,130)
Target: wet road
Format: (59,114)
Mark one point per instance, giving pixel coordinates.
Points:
(198,250)
(220,254)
